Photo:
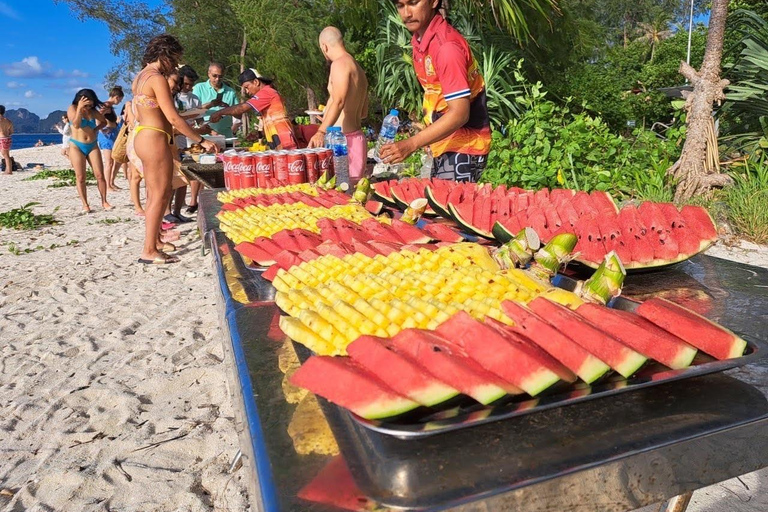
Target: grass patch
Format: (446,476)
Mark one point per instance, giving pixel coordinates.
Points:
(747,201)
(117,220)
(63,177)
(25,218)
(14,249)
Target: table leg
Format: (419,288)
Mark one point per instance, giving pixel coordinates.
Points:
(677,504)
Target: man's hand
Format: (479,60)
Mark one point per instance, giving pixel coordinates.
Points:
(317,140)
(397,151)
(215,117)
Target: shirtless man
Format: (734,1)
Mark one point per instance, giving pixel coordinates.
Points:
(348,101)
(6,130)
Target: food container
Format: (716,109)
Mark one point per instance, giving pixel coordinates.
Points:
(207,159)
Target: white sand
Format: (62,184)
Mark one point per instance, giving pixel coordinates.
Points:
(101,358)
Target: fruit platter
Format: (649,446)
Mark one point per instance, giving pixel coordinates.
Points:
(424,306)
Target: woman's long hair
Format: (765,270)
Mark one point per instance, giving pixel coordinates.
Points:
(89,94)
(164,49)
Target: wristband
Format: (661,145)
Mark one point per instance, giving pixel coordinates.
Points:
(202,139)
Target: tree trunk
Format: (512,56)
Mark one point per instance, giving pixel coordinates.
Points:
(244,117)
(698,169)
(312,104)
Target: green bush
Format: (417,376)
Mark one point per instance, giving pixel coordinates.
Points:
(552,146)
(746,200)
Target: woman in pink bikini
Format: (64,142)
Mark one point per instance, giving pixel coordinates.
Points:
(149,145)
(86,121)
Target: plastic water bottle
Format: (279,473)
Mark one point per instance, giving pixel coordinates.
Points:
(337,141)
(388,132)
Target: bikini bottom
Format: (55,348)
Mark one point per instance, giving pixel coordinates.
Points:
(84,147)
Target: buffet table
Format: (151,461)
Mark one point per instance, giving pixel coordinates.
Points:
(210,175)
(609,454)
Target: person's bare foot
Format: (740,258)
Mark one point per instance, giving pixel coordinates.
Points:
(8,172)
(139,213)
(106,205)
(86,209)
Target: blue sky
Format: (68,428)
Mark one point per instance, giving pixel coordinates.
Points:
(47,54)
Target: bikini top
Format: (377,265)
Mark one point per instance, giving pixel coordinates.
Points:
(88,123)
(145,100)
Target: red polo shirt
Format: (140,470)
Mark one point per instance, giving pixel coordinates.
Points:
(447,70)
(277,127)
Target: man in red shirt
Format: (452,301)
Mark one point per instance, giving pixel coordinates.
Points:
(455,111)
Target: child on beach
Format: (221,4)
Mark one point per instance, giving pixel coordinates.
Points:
(86,121)
(6,130)
(65,130)
(108,134)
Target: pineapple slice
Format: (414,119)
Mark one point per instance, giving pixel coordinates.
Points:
(297,331)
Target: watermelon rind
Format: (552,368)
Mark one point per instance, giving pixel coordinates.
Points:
(381,196)
(501,233)
(467,225)
(437,207)
(400,202)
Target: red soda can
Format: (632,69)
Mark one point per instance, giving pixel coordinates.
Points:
(297,170)
(227,170)
(263,163)
(280,166)
(248,173)
(313,166)
(235,165)
(325,162)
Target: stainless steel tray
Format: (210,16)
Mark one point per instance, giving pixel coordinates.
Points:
(465,413)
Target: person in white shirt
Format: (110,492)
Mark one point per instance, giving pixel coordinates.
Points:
(65,130)
(186,100)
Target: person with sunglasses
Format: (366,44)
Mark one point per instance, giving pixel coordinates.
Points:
(215,95)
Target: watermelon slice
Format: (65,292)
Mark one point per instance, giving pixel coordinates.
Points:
(306,239)
(398,371)
(605,347)
(381,191)
(364,249)
(335,486)
(451,365)
(437,198)
(408,233)
(385,248)
(462,214)
(349,231)
(700,221)
(287,259)
(271,272)
(374,207)
(441,232)
(700,332)
(583,204)
(576,358)
(511,361)
(286,241)
(641,335)
(380,232)
(257,253)
(603,202)
(345,383)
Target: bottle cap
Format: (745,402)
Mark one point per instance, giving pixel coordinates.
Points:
(334,129)
(393,112)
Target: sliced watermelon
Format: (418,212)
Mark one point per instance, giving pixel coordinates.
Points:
(271,272)
(364,248)
(385,248)
(700,221)
(287,259)
(603,202)
(308,255)
(335,486)
(349,231)
(451,365)
(257,253)
(345,383)
(641,335)
(381,191)
(380,232)
(399,371)
(306,239)
(583,204)
(603,346)
(374,207)
(437,198)
(441,232)
(511,361)
(567,213)
(408,233)
(700,332)
(575,357)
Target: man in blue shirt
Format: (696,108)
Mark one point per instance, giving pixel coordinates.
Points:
(215,95)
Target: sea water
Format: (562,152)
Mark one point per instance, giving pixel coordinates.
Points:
(28,140)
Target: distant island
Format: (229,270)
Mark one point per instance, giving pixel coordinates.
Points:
(25,121)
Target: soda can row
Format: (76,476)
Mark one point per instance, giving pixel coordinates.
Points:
(265,168)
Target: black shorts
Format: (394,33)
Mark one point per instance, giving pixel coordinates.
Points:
(459,166)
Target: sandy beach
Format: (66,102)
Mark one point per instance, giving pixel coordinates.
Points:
(114,393)
(113,388)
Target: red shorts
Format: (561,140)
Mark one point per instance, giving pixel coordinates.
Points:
(5,143)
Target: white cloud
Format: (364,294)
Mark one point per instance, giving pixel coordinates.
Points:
(31,67)
(7,10)
(31,94)
(15,85)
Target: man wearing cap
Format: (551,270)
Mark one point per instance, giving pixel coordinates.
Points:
(455,110)
(214,95)
(348,102)
(268,104)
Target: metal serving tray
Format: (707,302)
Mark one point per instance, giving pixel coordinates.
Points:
(464,412)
